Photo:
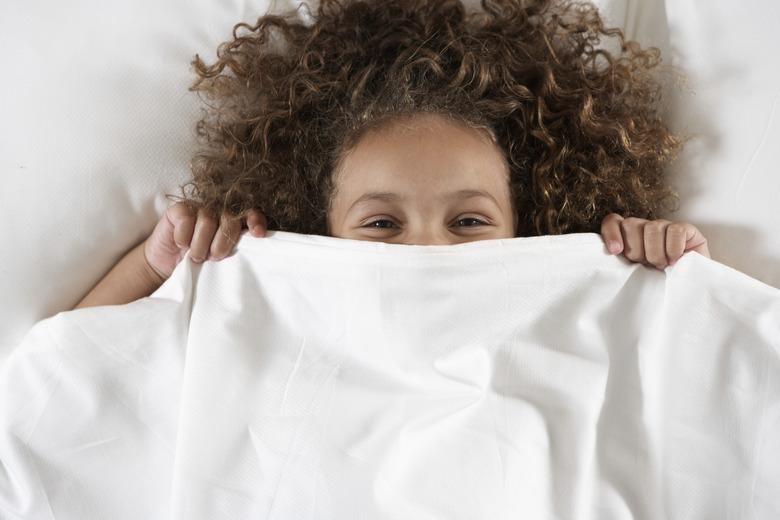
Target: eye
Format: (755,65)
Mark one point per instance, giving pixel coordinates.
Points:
(374,226)
(473,219)
(383,223)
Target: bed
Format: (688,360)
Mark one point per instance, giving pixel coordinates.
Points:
(98,124)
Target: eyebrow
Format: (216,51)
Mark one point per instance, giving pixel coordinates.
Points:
(389,196)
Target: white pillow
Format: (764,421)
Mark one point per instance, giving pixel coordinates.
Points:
(98,123)
(729,176)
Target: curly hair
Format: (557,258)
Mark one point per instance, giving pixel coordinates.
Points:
(287,98)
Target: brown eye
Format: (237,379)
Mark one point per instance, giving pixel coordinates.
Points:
(472,219)
(374,226)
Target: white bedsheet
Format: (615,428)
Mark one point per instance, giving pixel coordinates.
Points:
(311,377)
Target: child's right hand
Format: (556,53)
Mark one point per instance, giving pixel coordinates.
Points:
(179,229)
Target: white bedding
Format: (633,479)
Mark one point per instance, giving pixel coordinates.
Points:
(310,377)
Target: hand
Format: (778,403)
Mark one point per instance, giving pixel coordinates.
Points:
(179,229)
(653,242)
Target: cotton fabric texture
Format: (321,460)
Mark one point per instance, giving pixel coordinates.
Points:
(309,377)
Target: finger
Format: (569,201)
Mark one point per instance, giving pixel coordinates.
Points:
(702,249)
(632,229)
(610,233)
(695,241)
(183,222)
(256,223)
(675,241)
(226,237)
(205,228)
(655,243)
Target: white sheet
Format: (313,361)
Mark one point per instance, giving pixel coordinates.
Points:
(310,377)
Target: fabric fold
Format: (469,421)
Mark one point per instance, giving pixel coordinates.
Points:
(314,377)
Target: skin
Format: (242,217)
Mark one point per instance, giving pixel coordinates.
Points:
(422,162)
(657,243)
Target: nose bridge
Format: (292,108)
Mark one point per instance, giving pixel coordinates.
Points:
(427,232)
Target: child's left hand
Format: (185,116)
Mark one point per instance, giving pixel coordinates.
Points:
(658,243)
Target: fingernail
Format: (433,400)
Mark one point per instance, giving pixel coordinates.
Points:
(196,260)
(614,247)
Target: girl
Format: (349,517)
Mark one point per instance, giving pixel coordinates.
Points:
(417,122)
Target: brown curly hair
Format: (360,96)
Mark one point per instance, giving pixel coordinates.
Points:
(287,98)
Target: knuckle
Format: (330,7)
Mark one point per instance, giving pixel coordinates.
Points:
(207,223)
(632,223)
(676,229)
(179,220)
(655,227)
(180,210)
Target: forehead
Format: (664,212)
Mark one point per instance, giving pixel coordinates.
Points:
(423,152)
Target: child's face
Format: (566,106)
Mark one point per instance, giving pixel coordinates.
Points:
(400,184)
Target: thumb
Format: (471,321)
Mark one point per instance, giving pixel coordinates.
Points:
(695,241)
